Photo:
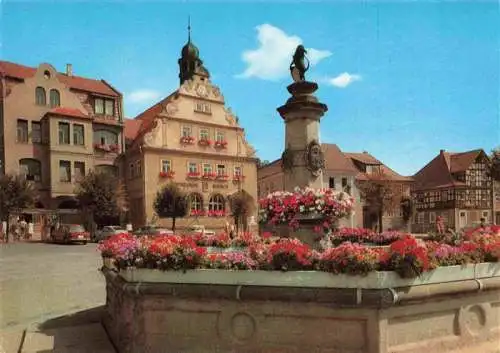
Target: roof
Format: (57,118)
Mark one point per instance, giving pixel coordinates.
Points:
(22,72)
(335,160)
(131,128)
(68,112)
(364,158)
(438,173)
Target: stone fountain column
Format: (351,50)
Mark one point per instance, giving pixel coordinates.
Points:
(302,160)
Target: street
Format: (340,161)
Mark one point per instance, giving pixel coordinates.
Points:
(41,281)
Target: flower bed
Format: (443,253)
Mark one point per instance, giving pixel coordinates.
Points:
(406,256)
(362,235)
(282,207)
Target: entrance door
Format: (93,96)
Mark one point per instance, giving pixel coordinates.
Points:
(462,219)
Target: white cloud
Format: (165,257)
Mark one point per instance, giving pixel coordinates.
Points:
(271,60)
(343,80)
(143,96)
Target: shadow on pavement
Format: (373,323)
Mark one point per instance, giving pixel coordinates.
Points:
(78,332)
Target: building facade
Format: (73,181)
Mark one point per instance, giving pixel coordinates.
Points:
(343,171)
(55,127)
(192,139)
(455,186)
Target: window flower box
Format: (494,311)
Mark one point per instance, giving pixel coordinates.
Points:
(187,140)
(205,142)
(238,177)
(102,147)
(114,148)
(193,175)
(167,175)
(197,213)
(220,144)
(208,175)
(215,213)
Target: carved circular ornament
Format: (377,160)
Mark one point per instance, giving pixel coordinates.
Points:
(171,108)
(201,91)
(474,320)
(314,158)
(238,327)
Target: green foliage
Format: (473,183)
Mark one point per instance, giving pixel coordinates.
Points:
(16,193)
(98,193)
(170,202)
(495,164)
(406,208)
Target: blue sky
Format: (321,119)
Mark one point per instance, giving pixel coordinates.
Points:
(402,80)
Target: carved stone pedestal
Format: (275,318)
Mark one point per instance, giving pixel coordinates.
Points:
(303,159)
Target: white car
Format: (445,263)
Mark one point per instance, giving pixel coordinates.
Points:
(108,231)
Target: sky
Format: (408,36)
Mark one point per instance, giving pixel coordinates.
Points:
(401,79)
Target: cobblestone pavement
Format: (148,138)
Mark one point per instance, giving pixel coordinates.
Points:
(40,281)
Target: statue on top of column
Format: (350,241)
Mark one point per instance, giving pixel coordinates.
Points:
(298,66)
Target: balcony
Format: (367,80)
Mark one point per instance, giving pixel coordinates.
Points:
(107,148)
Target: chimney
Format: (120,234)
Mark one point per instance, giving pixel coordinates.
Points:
(69,70)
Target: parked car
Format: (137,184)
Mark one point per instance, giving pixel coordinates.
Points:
(107,231)
(152,231)
(70,233)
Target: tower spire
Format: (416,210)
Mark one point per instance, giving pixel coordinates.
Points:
(189,29)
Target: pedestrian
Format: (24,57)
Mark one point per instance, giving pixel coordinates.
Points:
(31,230)
(231,231)
(440,224)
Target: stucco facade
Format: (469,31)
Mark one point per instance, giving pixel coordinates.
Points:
(192,139)
(56,127)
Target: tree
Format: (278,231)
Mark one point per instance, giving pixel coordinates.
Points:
(16,193)
(381,194)
(170,202)
(495,164)
(101,196)
(262,163)
(406,208)
(242,205)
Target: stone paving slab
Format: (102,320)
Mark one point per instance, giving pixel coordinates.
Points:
(10,340)
(78,339)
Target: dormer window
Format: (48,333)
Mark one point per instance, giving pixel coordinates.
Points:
(104,106)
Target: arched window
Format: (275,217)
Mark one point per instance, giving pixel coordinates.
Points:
(195,202)
(31,169)
(216,203)
(40,96)
(55,98)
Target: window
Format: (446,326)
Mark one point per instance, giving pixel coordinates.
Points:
(207,168)
(192,167)
(219,137)
(204,134)
(331,182)
(202,108)
(22,131)
(109,107)
(40,96)
(166,166)
(344,183)
(105,137)
(46,74)
(221,169)
(78,135)
(36,132)
(54,98)
(63,133)
(420,218)
(79,170)
(195,202)
(138,166)
(104,106)
(186,131)
(216,203)
(237,171)
(131,170)
(31,169)
(65,171)
(432,217)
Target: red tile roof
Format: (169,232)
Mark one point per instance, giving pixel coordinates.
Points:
(18,71)
(438,172)
(368,159)
(76,113)
(335,160)
(132,128)
(364,158)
